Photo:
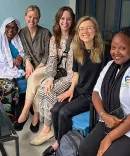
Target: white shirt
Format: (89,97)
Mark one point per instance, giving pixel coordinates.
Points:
(124,89)
(6,71)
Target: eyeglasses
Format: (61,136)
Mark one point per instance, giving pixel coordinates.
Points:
(11,28)
(89,29)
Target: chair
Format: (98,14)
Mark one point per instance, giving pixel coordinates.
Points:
(93,117)
(85,121)
(7,132)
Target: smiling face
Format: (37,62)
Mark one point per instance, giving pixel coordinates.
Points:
(32,19)
(11,30)
(120,48)
(65,21)
(87,31)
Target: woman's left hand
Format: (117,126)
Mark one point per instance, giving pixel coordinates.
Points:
(48,86)
(39,66)
(18,61)
(105,144)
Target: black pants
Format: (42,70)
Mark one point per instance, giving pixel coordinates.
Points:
(90,145)
(62,113)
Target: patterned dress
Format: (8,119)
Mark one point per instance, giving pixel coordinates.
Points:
(47,101)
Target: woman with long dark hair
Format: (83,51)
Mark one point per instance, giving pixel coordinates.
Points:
(89,56)
(51,87)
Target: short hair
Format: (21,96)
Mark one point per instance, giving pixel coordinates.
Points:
(125,31)
(33,8)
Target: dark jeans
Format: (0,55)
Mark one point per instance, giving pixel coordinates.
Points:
(90,145)
(62,113)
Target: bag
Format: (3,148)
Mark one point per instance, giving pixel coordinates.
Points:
(61,72)
(81,122)
(69,144)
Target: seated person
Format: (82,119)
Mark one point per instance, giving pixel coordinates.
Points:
(111,135)
(11,69)
(50,88)
(35,40)
(88,60)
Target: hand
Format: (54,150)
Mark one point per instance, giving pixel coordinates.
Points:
(18,61)
(111,121)
(39,66)
(68,94)
(105,144)
(29,68)
(48,86)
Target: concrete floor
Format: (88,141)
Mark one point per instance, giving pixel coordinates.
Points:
(25,136)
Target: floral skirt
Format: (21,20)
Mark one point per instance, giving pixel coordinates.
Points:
(9,95)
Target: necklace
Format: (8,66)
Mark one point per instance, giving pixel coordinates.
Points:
(89,50)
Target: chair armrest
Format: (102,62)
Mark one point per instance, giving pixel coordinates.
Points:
(7,119)
(93,117)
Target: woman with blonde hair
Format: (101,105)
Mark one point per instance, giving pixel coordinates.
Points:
(111,99)
(35,40)
(53,86)
(87,63)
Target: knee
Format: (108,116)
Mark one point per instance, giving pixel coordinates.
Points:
(32,78)
(83,148)
(55,109)
(63,113)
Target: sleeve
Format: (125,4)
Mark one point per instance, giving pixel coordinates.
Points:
(75,65)
(46,47)
(51,67)
(26,52)
(101,77)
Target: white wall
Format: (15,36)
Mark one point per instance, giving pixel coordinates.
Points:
(16,8)
(72,4)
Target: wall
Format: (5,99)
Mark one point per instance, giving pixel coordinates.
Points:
(72,4)
(16,8)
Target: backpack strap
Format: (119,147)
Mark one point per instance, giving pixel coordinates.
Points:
(68,42)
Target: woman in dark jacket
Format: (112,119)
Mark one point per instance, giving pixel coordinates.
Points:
(35,40)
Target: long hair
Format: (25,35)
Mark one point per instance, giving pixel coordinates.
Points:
(56,27)
(98,46)
(33,8)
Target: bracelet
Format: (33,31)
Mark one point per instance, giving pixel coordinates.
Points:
(101,114)
(109,137)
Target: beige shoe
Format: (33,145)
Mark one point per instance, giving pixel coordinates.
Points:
(40,141)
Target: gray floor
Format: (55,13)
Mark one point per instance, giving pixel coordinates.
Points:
(25,136)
